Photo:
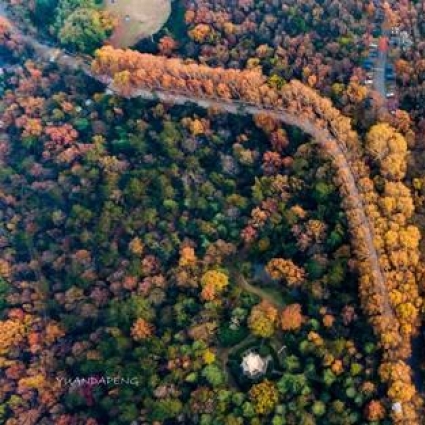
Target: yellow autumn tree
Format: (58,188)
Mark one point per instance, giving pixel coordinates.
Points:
(136,246)
(12,332)
(5,268)
(215,278)
(264,397)
(263,319)
(200,33)
(213,282)
(388,148)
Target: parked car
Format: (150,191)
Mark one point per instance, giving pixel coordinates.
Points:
(367,64)
(392,105)
(390,94)
(389,72)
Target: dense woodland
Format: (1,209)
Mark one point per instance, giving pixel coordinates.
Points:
(160,243)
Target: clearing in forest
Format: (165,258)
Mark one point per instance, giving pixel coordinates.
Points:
(137,19)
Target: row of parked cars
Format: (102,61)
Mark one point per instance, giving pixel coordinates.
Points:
(390,92)
(369,65)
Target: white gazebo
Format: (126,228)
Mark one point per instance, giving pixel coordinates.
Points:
(253,365)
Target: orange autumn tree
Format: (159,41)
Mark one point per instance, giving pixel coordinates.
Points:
(216,278)
(141,330)
(131,70)
(8,38)
(187,256)
(5,269)
(12,333)
(167,45)
(200,33)
(5,30)
(291,318)
(286,270)
(375,411)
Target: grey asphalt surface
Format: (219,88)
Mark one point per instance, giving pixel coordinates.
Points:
(379,80)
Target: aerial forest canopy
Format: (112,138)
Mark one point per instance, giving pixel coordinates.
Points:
(218,226)
(388,285)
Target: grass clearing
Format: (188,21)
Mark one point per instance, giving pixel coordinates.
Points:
(138,19)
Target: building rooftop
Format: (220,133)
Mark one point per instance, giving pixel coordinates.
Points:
(253,364)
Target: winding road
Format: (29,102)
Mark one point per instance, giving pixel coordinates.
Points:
(360,225)
(331,142)
(331,146)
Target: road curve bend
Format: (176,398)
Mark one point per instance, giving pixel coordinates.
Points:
(333,143)
(331,146)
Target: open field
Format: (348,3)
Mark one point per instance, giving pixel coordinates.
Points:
(138,19)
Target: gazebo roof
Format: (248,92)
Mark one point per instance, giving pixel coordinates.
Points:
(253,364)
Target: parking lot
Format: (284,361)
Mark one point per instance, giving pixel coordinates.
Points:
(379,68)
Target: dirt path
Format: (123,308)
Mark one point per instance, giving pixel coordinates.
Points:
(224,354)
(264,295)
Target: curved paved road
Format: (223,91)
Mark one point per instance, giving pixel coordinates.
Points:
(361,226)
(331,147)
(330,142)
